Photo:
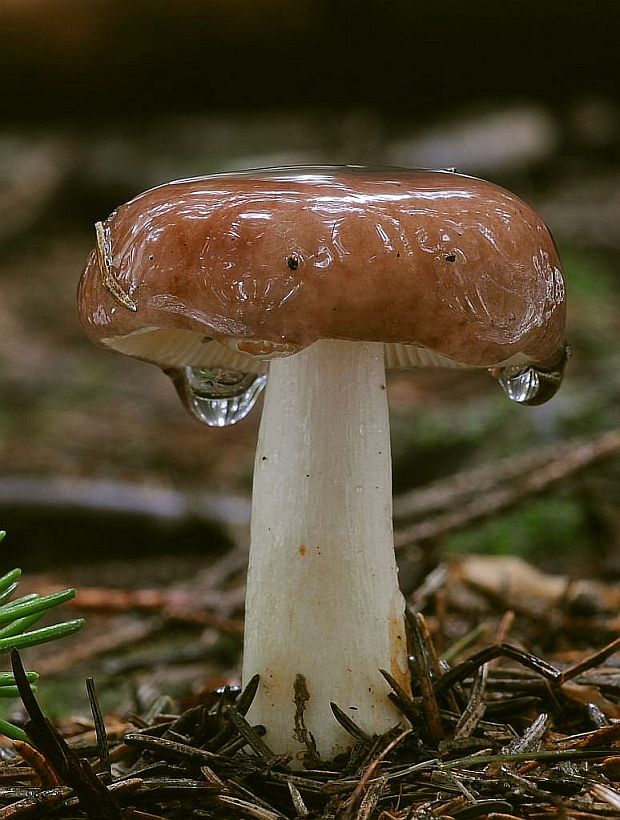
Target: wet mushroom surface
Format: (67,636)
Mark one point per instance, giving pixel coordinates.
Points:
(390,267)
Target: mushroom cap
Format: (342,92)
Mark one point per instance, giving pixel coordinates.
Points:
(234,269)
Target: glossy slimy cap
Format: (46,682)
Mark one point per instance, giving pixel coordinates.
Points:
(233,269)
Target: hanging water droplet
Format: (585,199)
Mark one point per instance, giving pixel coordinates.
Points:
(520,386)
(531,385)
(217,396)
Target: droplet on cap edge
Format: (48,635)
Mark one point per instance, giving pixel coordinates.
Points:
(218,397)
(531,385)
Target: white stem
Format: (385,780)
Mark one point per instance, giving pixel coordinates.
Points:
(322,597)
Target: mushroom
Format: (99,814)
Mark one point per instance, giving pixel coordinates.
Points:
(321,277)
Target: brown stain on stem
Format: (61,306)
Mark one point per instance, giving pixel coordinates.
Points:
(398,651)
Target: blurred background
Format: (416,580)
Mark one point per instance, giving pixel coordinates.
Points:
(104,479)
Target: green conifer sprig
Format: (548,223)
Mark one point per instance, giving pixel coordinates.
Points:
(16,618)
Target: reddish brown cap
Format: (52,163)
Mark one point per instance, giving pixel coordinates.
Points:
(234,269)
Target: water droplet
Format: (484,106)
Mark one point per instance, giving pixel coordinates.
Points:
(359,489)
(530,385)
(217,396)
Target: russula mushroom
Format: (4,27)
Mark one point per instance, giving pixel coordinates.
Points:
(322,277)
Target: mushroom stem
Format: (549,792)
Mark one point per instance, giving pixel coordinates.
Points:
(322,598)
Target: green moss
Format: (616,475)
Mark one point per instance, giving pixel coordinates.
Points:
(543,526)
(587,275)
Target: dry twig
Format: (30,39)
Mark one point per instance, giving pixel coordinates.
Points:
(466,502)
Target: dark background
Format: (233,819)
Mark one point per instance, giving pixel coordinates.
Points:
(109,59)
